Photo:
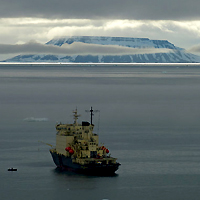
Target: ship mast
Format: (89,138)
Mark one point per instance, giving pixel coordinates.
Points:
(76,116)
(91,113)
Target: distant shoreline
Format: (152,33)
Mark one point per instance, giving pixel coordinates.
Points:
(99,64)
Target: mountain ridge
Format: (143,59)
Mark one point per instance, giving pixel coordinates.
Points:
(178,55)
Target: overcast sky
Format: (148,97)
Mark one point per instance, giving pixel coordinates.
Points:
(177,21)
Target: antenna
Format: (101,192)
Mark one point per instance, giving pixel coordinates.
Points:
(76,116)
(91,113)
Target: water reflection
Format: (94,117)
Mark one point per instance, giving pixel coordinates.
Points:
(72,181)
(60,171)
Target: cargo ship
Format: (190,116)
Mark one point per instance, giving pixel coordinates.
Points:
(77,149)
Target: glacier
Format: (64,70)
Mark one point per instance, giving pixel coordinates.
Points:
(177,54)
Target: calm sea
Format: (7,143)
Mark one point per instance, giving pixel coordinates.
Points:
(149,119)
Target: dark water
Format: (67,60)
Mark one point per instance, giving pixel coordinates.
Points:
(149,118)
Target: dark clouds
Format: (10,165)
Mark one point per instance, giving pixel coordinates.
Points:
(75,48)
(104,9)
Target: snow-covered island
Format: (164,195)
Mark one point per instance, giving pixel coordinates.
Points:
(176,55)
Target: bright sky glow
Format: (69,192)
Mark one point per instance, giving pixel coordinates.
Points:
(18,30)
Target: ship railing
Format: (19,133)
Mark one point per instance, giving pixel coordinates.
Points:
(96,160)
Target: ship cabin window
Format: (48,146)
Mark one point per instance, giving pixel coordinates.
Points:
(93,154)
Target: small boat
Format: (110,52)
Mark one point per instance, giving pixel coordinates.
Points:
(12,169)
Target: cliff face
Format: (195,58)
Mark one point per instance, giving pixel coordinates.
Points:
(178,55)
(121,41)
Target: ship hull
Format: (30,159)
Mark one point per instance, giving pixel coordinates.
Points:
(65,163)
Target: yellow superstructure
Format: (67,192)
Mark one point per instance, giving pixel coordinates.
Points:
(78,142)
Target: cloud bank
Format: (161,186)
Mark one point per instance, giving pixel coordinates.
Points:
(104,9)
(194,49)
(76,48)
(20,30)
